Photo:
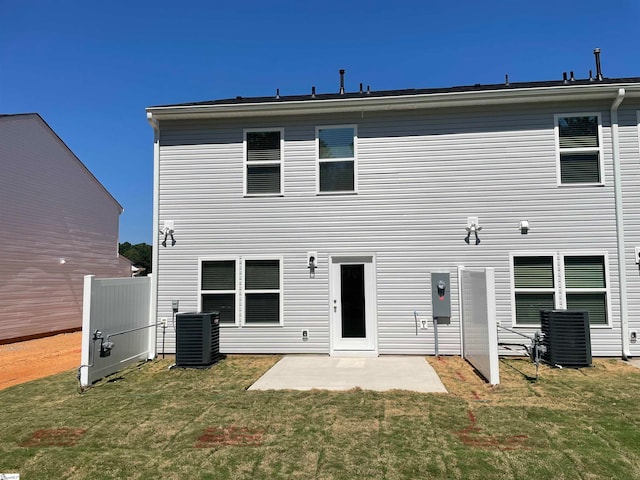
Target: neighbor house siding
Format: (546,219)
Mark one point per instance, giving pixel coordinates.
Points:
(420,175)
(58,224)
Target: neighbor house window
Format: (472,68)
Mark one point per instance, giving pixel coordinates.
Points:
(262,292)
(586,286)
(579,146)
(218,288)
(263,162)
(336,148)
(537,286)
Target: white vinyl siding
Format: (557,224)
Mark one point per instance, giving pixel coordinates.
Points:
(219,288)
(336,157)
(579,145)
(420,175)
(580,283)
(263,161)
(262,292)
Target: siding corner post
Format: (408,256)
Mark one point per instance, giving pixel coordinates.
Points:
(86,330)
(153,311)
(617,188)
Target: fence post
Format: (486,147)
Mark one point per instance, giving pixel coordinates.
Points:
(153,331)
(85,356)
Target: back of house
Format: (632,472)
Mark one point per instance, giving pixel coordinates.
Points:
(316,223)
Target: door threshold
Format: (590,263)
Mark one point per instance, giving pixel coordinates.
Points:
(353,354)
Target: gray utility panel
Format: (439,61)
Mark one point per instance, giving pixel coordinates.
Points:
(441,297)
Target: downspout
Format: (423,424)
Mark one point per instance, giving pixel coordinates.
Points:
(617,188)
(156,216)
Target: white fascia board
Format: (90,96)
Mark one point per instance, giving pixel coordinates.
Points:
(400,102)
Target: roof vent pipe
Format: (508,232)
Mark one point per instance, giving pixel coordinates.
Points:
(572,78)
(368,89)
(277,93)
(506,79)
(564,78)
(313,92)
(596,52)
(342,81)
(360,87)
(591,75)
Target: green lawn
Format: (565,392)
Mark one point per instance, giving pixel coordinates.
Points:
(150,422)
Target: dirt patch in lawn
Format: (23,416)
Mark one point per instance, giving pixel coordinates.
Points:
(33,359)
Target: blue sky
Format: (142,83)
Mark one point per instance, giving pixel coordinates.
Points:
(90,68)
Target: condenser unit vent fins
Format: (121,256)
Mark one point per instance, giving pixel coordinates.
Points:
(197,339)
(566,338)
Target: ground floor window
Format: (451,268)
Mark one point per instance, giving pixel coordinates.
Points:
(262,292)
(218,288)
(573,281)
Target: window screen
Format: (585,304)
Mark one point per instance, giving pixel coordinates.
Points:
(579,149)
(262,291)
(336,159)
(263,162)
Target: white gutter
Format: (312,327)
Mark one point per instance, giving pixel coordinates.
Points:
(617,189)
(156,217)
(365,103)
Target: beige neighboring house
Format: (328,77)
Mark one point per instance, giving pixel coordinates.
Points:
(57,224)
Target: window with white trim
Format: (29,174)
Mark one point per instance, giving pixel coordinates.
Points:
(585,283)
(579,149)
(262,292)
(534,286)
(218,288)
(581,285)
(263,161)
(336,153)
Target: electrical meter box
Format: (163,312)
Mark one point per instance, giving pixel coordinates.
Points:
(441,297)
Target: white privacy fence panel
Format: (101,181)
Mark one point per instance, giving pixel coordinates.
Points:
(118,308)
(479,329)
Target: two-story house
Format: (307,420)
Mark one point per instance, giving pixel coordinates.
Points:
(312,223)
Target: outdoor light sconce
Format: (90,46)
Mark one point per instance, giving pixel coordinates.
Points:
(524,227)
(472,227)
(167,231)
(312,263)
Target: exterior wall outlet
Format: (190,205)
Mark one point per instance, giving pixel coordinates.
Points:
(305,335)
(637,252)
(424,324)
(163,321)
(633,336)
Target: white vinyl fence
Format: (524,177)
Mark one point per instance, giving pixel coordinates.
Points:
(116,317)
(479,329)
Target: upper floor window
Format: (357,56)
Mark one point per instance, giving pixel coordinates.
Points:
(579,149)
(336,152)
(263,161)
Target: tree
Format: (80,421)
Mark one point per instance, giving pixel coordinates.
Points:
(139,254)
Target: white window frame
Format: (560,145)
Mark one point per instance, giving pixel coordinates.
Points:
(246,164)
(606,290)
(236,292)
(599,149)
(354,159)
(556,283)
(279,291)
(560,290)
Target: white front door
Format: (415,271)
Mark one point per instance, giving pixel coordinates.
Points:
(353,324)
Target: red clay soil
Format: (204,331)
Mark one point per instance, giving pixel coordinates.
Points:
(25,361)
